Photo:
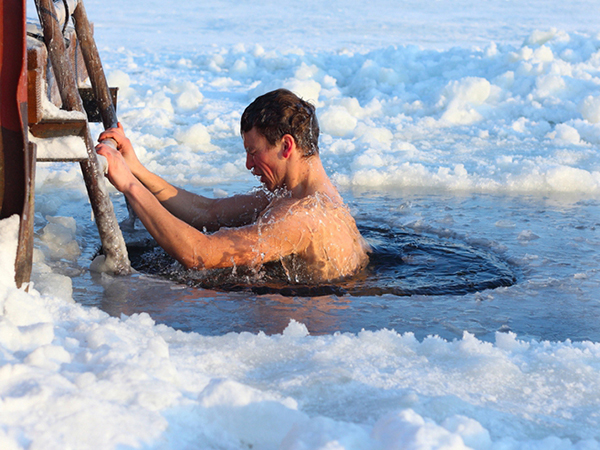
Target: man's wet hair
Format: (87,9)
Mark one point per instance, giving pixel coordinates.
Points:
(282,112)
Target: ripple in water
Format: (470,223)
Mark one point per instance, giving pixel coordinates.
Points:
(401,264)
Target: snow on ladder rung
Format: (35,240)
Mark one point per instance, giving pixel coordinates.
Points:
(59,135)
(60,148)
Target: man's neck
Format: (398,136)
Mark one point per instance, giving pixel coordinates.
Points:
(310,178)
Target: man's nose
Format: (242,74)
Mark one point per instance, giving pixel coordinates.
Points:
(249,161)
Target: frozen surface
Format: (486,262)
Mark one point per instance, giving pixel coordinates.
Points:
(473,122)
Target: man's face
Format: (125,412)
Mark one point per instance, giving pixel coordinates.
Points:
(265,161)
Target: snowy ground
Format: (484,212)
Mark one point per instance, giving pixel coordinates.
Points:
(475,121)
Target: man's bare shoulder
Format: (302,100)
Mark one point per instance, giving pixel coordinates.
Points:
(324,234)
(313,210)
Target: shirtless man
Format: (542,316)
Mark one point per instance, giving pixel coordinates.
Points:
(301,219)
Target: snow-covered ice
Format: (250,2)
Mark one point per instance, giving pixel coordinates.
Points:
(476,121)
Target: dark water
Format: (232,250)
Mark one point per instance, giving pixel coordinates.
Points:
(402,263)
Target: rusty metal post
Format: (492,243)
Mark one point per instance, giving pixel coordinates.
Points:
(110,234)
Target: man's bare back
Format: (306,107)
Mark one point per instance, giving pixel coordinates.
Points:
(304,224)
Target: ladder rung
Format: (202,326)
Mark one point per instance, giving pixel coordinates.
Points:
(60,140)
(51,128)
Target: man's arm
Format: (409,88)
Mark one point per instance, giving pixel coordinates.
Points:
(212,214)
(271,238)
(250,245)
(196,210)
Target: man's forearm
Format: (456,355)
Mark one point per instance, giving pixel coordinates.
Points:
(202,212)
(158,186)
(191,208)
(178,238)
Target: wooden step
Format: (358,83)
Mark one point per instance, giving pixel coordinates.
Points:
(52,128)
(59,140)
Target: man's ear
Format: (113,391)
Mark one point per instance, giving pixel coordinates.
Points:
(287,145)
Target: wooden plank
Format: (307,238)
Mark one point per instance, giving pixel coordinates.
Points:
(36,78)
(39,59)
(94,68)
(67,148)
(40,80)
(48,130)
(24,260)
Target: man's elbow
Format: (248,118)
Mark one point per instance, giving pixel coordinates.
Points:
(190,261)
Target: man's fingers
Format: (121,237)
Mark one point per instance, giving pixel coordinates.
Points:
(105,149)
(109,141)
(111,133)
(103,162)
(102,150)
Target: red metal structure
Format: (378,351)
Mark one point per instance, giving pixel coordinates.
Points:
(17,157)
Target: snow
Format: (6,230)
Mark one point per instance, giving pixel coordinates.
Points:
(9,233)
(62,148)
(448,99)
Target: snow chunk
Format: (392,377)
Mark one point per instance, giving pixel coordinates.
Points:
(118,78)
(565,133)
(590,108)
(188,97)
(59,238)
(337,121)
(527,235)
(9,237)
(121,80)
(243,413)
(195,137)
(460,99)
(413,431)
(308,90)
(295,330)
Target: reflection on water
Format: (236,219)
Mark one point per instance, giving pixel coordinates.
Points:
(550,244)
(216,313)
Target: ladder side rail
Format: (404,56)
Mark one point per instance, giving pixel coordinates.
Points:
(100,89)
(93,64)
